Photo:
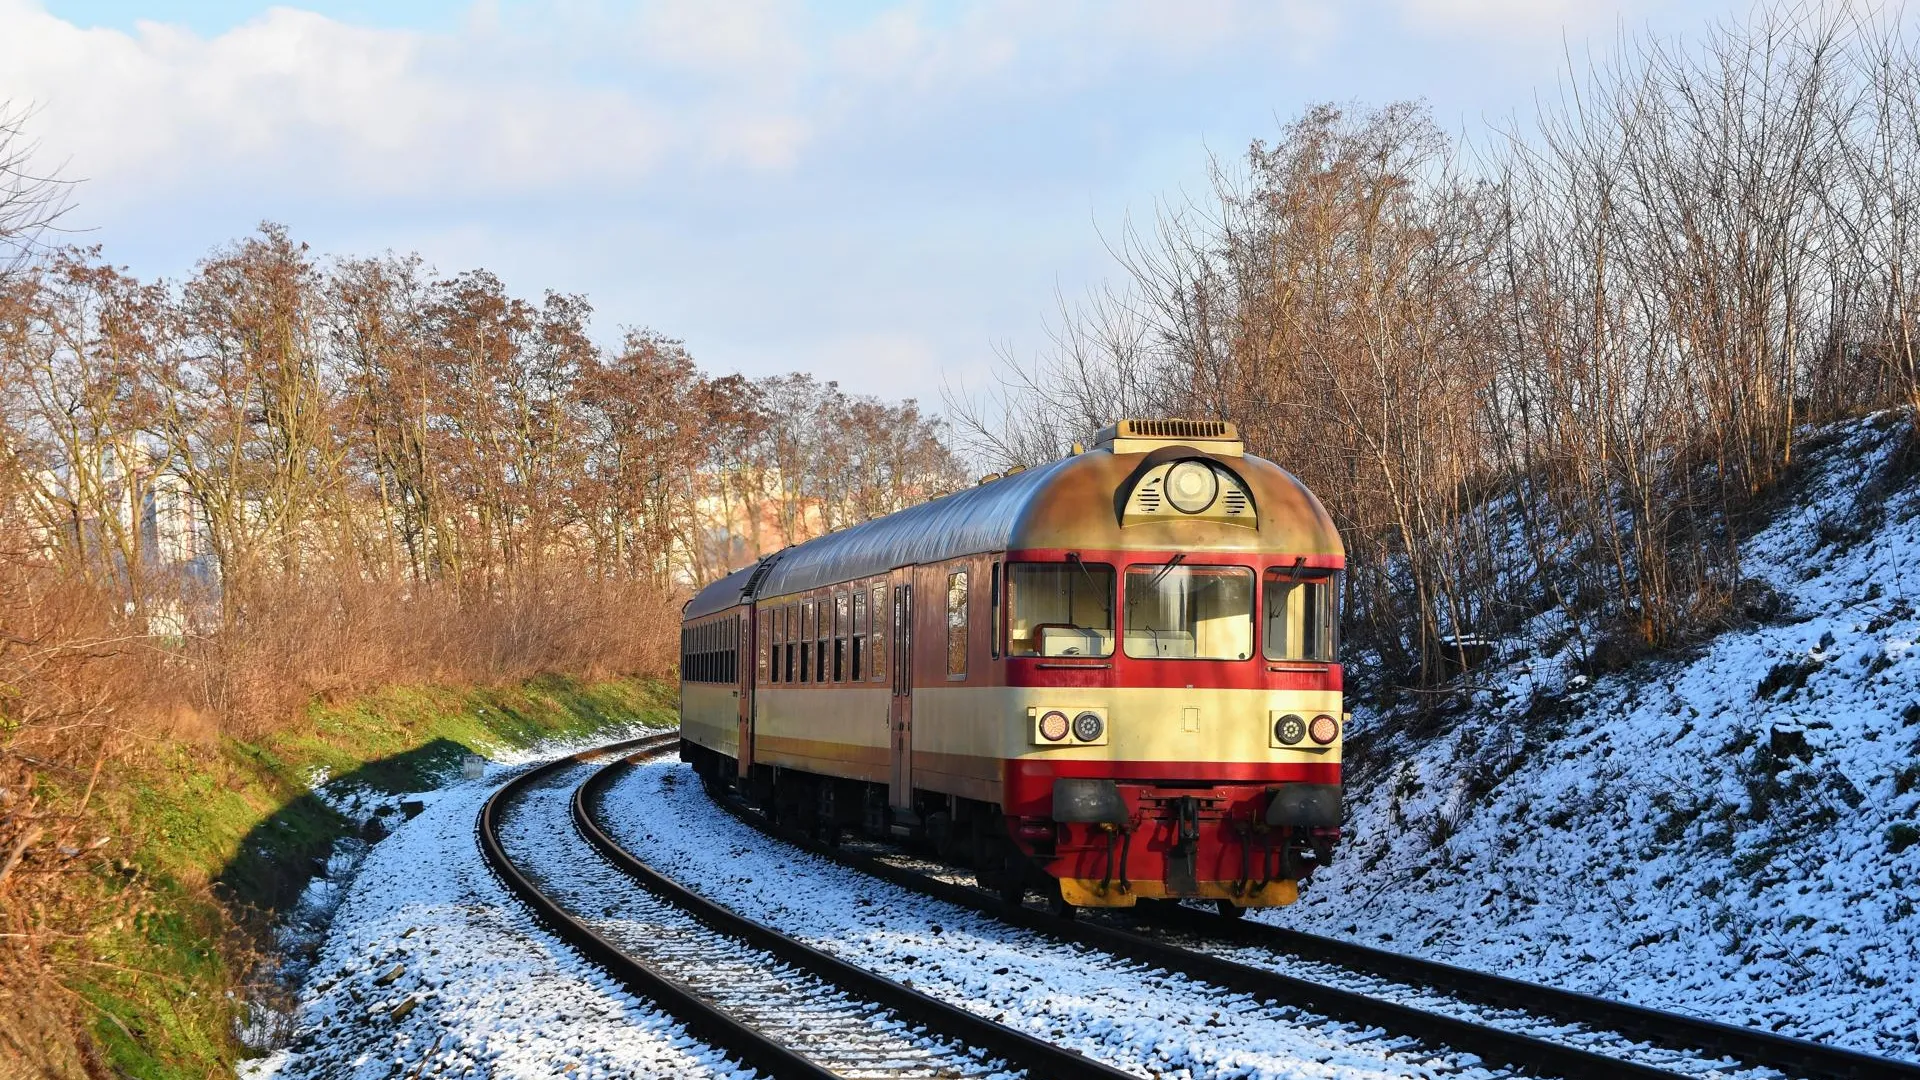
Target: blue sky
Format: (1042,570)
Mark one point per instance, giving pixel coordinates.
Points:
(880,193)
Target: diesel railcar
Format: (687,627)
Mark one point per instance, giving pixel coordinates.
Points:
(1113,677)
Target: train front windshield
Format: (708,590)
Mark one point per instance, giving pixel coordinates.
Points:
(1189,612)
(1060,609)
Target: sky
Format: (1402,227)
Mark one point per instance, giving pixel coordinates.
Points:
(885,194)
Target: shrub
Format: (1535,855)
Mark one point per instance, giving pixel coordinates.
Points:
(1901,836)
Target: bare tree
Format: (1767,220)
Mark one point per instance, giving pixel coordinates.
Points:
(31,200)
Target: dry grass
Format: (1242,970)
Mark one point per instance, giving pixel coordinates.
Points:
(83,697)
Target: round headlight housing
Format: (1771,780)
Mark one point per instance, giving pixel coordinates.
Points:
(1324,729)
(1088,727)
(1191,486)
(1053,725)
(1289,730)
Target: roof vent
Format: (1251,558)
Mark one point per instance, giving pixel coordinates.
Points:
(1139,436)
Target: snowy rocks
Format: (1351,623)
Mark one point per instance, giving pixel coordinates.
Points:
(1790,740)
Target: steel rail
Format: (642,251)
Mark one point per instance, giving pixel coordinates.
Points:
(1799,1057)
(1040,1059)
(1496,1045)
(705,1021)
(1672,1031)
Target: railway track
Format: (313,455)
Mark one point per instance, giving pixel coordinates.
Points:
(775,1004)
(1683,1045)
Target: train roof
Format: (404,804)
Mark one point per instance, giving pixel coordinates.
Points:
(1080,511)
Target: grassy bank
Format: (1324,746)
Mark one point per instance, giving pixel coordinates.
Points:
(227,834)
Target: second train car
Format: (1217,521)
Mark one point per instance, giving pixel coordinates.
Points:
(1113,677)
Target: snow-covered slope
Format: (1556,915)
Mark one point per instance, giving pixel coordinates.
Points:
(1733,833)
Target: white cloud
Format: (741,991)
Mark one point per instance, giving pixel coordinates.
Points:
(311,103)
(1069,44)
(578,97)
(1511,19)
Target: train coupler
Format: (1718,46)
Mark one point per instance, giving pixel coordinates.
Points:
(1124,838)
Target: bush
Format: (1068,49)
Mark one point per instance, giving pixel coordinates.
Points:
(1901,836)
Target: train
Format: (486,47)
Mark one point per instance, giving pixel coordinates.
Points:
(1112,678)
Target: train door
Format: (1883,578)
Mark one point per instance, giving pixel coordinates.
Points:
(745,660)
(901,713)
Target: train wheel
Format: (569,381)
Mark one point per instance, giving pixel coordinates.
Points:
(1013,887)
(1229,910)
(940,835)
(1058,906)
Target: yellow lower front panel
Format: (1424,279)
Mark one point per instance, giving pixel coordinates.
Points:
(1088,892)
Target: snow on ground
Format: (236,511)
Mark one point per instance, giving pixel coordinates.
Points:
(836,1030)
(1733,833)
(431,968)
(302,929)
(1134,1017)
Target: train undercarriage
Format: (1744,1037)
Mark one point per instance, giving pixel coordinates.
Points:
(1109,844)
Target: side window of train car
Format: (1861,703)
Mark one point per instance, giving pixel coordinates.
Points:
(957,625)
(806,642)
(855,672)
(842,626)
(788,674)
(1302,620)
(877,661)
(768,650)
(822,639)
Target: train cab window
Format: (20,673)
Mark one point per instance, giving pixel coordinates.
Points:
(957,625)
(807,642)
(993,615)
(1059,609)
(1189,612)
(877,640)
(842,624)
(855,672)
(1302,619)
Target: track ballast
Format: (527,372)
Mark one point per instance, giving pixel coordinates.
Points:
(1703,1044)
(777,1005)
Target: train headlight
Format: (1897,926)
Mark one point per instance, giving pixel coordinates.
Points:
(1324,729)
(1053,725)
(1192,486)
(1289,730)
(1088,727)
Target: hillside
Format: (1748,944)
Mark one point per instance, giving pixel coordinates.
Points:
(1732,832)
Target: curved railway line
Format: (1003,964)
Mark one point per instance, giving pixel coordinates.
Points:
(1183,943)
(775,1004)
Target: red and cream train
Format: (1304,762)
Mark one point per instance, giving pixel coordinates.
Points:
(1111,677)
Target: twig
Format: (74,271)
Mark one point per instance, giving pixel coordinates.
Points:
(20,845)
(431,1050)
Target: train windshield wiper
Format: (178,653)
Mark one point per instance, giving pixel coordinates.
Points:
(1165,570)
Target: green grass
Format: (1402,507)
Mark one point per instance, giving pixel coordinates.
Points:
(230,833)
